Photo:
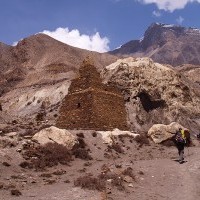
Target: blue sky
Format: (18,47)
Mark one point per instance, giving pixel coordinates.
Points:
(100,24)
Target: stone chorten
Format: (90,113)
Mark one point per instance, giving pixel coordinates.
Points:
(92,105)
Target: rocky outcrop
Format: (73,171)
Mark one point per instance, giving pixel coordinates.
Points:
(160,132)
(55,135)
(154,93)
(191,72)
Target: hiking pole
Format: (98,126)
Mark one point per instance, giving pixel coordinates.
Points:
(188,153)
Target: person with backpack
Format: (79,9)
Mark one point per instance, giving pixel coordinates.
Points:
(198,136)
(180,141)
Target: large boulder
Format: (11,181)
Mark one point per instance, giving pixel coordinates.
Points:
(55,135)
(109,136)
(160,132)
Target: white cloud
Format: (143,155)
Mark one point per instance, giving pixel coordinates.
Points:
(90,42)
(180,20)
(156,13)
(169,5)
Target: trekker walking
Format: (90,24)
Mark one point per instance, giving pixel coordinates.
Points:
(198,136)
(180,141)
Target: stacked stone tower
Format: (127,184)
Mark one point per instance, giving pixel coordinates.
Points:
(92,105)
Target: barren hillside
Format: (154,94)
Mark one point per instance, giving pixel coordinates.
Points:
(40,69)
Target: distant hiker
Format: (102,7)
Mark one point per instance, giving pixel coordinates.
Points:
(198,136)
(180,141)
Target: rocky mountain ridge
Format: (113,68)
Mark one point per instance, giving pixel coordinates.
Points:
(167,44)
(40,54)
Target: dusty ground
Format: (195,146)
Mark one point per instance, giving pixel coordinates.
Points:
(157,176)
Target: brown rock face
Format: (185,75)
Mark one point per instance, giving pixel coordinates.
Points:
(91,104)
(155,93)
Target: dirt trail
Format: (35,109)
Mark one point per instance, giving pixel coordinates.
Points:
(167,179)
(163,179)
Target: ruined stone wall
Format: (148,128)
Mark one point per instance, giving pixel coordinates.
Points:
(91,104)
(75,111)
(109,111)
(93,109)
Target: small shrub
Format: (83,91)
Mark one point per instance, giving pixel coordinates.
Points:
(6,164)
(125,137)
(40,116)
(141,172)
(25,164)
(29,103)
(82,154)
(87,164)
(14,122)
(46,175)
(59,172)
(94,134)
(105,168)
(50,181)
(91,183)
(117,148)
(16,177)
(47,156)
(1,185)
(81,135)
(81,143)
(117,180)
(129,172)
(99,182)
(15,192)
(55,115)
(82,170)
(142,139)
(28,131)
(79,150)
